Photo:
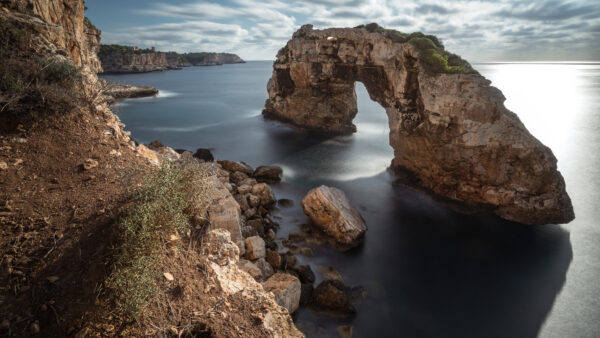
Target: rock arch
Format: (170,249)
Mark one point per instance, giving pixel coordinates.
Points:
(450,131)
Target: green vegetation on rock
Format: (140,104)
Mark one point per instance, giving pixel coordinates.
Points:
(434,57)
(113,49)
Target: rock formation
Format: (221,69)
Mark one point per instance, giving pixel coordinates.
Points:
(125,59)
(119,91)
(450,132)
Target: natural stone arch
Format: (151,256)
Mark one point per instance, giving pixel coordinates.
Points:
(450,131)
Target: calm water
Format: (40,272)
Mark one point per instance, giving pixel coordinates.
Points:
(428,271)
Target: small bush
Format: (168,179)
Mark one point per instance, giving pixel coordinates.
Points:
(434,57)
(160,207)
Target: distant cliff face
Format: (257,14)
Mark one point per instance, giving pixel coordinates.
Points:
(123,59)
(448,127)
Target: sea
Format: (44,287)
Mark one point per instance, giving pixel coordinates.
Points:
(428,271)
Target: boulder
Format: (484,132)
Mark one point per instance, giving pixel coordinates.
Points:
(330,209)
(286,203)
(264,193)
(286,288)
(225,212)
(255,248)
(268,174)
(251,269)
(265,268)
(274,258)
(244,189)
(253,200)
(305,274)
(238,177)
(155,145)
(333,295)
(233,166)
(204,154)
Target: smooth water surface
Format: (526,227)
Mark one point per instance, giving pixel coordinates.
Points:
(428,270)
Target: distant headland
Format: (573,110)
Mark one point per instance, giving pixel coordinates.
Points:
(131,59)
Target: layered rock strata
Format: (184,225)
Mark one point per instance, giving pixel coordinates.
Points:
(450,132)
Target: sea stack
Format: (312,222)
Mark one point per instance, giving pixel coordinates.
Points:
(448,126)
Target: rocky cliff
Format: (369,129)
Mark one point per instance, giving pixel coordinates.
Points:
(61,172)
(123,59)
(449,128)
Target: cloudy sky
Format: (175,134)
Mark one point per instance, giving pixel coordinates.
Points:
(486,30)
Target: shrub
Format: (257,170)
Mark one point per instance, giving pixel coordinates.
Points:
(434,57)
(160,207)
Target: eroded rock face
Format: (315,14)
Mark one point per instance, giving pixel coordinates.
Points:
(450,131)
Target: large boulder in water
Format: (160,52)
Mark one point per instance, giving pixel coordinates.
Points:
(330,209)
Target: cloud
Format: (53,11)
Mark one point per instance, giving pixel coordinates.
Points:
(550,11)
(437,9)
(476,29)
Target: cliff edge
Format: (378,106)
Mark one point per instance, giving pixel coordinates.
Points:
(449,128)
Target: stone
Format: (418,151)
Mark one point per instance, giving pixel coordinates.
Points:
(257,224)
(204,154)
(265,268)
(270,234)
(330,210)
(249,181)
(244,189)
(264,193)
(169,154)
(117,91)
(255,247)
(274,259)
(53,279)
(168,276)
(3,165)
(334,296)
(148,154)
(451,133)
(225,212)
(250,212)
(286,289)
(89,164)
(286,203)
(237,177)
(233,166)
(248,231)
(305,274)
(330,273)
(218,247)
(251,269)
(155,145)
(242,201)
(253,200)
(268,174)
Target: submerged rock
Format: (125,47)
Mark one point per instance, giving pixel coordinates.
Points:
(334,296)
(449,128)
(330,209)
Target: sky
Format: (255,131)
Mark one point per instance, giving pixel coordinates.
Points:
(486,30)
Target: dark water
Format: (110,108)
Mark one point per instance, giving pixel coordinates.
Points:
(428,270)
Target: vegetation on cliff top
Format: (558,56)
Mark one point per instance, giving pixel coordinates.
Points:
(433,54)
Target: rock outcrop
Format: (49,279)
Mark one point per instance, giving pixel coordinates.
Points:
(119,91)
(450,132)
(330,209)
